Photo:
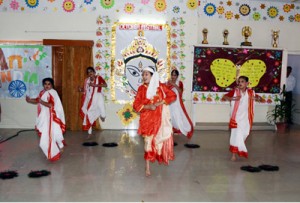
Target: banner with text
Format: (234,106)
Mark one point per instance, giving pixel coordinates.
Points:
(22,69)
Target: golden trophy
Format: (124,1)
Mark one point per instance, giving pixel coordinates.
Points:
(246,32)
(225,35)
(204,31)
(275,36)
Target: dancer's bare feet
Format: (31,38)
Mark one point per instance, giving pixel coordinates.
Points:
(233,158)
(148,172)
(147,169)
(89,136)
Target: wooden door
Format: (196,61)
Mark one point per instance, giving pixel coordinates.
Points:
(69,63)
(57,67)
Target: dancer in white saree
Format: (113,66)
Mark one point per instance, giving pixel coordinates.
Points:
(242,114)
(50,122)
(180,119)
(92,100)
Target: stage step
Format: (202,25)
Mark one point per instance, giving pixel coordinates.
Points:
(224,126)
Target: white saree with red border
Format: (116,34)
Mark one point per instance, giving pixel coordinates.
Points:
(50,125)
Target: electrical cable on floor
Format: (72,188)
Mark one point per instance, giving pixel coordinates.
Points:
(1,137)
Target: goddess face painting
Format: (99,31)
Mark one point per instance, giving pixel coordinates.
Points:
(133,71)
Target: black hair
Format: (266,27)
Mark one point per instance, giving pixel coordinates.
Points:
(90,69)
(244,77)
(48,80)
(175,71)
(289,68)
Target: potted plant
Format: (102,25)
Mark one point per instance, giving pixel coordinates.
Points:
(280,114)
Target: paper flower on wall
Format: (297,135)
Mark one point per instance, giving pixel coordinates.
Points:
(192,4)
(145,2)
(160,5)
(245,9)
(1,2)
(68,5)
(176,9)
(129,8)
(272,12)
(88,1)
(297,17)
(286,8)
(107,4)
(256,16)
(127,114)
(220,10)
(32,3)
(210,9)
(14,5)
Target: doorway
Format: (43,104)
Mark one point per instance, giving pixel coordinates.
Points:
(70,58)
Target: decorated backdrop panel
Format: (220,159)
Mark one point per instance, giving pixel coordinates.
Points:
(22,69)
(136,46)
(216,69)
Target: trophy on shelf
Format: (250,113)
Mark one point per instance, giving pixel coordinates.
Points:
(204,31)
(275,36)
(246,32)
(225,35)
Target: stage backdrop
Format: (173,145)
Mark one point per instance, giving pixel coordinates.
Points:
(216,69)
(22,69)
(135,46)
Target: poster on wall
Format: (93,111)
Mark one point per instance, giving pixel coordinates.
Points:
(216,69)
(22,69)
(135,46)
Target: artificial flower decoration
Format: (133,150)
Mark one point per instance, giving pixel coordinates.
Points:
(107,4)
(286,8)
(245,9)
(14,5)
(220,10)
(127,114)
(297,17)
(32,3)
(228,15)
(176,9)
(68,5)
(291,18)
(192,4)
(272,12)
(129,8)
(292,6)
(281,18)
(160,5)
(88,1)
(145,2)
(210,9)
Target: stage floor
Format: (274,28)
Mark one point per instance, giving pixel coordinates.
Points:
(118,174)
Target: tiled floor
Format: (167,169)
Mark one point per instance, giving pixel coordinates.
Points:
(117,174)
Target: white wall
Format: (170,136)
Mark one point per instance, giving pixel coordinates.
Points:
(33,26)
